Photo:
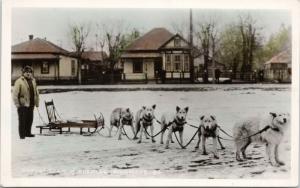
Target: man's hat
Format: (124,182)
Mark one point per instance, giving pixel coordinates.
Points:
(27,69)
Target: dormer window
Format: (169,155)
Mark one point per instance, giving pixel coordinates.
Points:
(177,42)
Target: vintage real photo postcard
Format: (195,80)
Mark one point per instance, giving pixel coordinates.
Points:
(149,93)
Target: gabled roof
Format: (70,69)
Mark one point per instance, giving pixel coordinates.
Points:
(38,45)
(152,40)
(173,37)
(94,55)
(282,57)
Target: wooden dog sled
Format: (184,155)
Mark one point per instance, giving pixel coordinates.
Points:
(55,123)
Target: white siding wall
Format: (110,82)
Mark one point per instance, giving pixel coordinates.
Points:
(128,67)
(17,70)
(148,67)
(65,66)
(38,70)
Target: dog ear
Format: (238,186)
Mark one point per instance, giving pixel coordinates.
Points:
(177,108)
(144,107)
(213,117)
(201,117)
(186,109)
(273,114)
(154,106)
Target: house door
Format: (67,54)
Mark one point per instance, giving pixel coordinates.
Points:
(157,67)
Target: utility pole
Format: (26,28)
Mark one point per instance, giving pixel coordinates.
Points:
(191,49)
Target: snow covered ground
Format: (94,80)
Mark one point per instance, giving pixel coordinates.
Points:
(74,155)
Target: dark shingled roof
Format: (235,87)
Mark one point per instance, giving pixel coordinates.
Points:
(94,55)
(152,40)
(38,45)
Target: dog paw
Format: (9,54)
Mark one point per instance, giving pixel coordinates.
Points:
(172,141)
(196,147)
(222,148)
(281,163)
(204,153)
(139,142)
(135,138)
(183,148)
(153,141)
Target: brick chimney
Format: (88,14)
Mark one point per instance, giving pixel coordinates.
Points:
(30,37)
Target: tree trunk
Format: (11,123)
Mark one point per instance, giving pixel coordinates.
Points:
(79,72)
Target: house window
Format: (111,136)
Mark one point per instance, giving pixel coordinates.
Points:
(186,63)
(177,42)
(177,63)
(45,68)
(73,67)
(137,67)
(168,62)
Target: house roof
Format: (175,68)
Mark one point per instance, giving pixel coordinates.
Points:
(94,55)
(33,56)
(152,40)
(38,45)
(282,57)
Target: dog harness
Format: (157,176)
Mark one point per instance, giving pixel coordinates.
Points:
(179,125)
(147,121)
(209,132)
(126,121)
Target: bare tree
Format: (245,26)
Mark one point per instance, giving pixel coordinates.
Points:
(250,43)
(79,34)
(116,41)
(208,37)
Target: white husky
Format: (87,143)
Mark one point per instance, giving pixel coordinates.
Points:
(275,126)
(209,128)
(120,117)
(144,119)
(175,122)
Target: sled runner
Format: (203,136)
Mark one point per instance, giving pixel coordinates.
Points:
(56,122)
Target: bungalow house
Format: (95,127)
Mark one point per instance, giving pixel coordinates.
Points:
(157,50)
(50,63)
(93,65)
(278,68)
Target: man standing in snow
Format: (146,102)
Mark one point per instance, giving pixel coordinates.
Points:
(25,96)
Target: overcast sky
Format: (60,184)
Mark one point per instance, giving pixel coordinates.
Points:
(53,23)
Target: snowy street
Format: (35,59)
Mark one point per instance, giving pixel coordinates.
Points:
(74,155)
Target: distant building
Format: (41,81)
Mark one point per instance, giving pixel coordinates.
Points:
(155,52)
(278,68)
(199,65)
(51,63)
(93,65)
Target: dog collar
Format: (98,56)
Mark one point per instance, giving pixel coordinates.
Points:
(275,129)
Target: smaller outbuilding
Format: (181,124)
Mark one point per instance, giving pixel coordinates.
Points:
(94,66)
(279,67)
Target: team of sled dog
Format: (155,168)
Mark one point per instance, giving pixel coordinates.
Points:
(175,121)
